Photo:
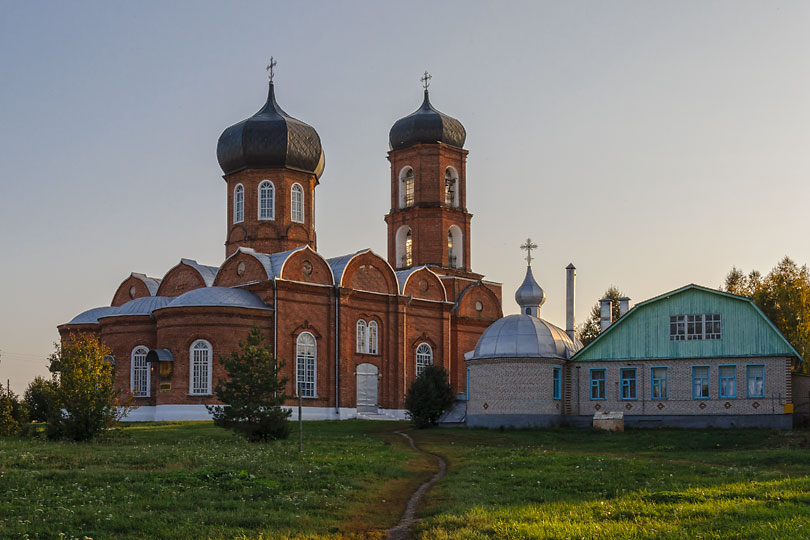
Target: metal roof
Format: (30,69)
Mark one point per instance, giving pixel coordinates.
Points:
(159,355)
(140,306)
(530,294)
(426,125)
(263,258)
(151,283)
(218,296)
(207,273)
(91,316)
(524,336)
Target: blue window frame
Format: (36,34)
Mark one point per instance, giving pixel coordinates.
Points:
(557,382)
(629,386)
(755,380)
(727,377)
(659,387)
(598,377)
(700,382)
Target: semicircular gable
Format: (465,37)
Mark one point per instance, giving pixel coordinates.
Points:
(242,267)
(180,279)
(307,265)
(367,271)
(423,283)
(478,296)
(135,286)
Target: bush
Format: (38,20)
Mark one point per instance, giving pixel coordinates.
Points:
(429,396)
(13,414)
(40,398)
(253,393)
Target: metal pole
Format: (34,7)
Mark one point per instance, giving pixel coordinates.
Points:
(300,423)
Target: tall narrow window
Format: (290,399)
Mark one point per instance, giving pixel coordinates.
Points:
(700,382)
(755,380)
(424,357)
(450,181)
(556,382)
(598,377)
(305,354)
(361,336)
(727,376)
(200,369)
(455,247)
(239,204)
(408,260)
(628,380)
(406,181)
(372,337)
(139,375)
(267,200)
(297,203)
(659,383)
(450,251)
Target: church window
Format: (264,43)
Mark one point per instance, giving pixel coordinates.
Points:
(367,337)
(454,247)
(450,187)
(406,196)
(200,372)
(267,200)
(297,204)
(755,383)
(305,355)
(239,204)
(598,384)
(700,382)
(408,258)
(556,380)
(451,257)
(728,381)
(362,345)
(139,374)
(424,357)
(659,383)
(628,380)
(372,337)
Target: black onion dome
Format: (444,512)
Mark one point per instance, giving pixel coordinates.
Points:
(270,139)
(426,125)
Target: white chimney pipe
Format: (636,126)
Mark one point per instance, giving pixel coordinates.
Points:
(605,313)
(570,292)
(624,305)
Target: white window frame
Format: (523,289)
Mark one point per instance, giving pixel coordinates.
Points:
(297,207)
(267,212)
(695,327)
(372,333)
(424,357)
(306,361)
(406,187)
(207,365)
(139,366)
(239,203)
(362,343)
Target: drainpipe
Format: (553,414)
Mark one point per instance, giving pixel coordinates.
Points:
(337,350)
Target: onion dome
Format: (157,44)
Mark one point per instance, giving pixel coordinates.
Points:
(426,125)
(530,296)
(524,336)
(270,139)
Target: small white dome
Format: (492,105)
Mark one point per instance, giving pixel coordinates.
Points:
(524,336)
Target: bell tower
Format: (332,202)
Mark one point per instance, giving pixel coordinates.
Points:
(428,223)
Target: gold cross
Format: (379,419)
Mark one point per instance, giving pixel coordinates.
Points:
(426,79)
(270,67)
(528,246)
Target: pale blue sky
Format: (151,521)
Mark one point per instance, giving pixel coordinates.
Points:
(652,144)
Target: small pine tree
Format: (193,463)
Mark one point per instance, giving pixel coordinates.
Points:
(40,398)
(253,392)
(429,396)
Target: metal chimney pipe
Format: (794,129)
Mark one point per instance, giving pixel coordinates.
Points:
(570,292)
(624,305)
(605,313)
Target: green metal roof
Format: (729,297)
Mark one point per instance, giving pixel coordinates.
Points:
(643,332)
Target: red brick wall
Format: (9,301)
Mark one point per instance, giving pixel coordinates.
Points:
(122,335)
(424,284)
(308,266)
(180,279)
(122,294)
(228,275)
(369,272)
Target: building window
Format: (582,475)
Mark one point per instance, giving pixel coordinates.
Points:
(200,372)
(424,357)
(700,382)
(406,181)
(695,327)
(755,380)
(267,200)
(454,247)
(450,187)
(372,337)
(139,374)
(556,379)
(450,253)
(659,383)
(728,381)
(361,336)
(628,380)
(239,204)
(408,257)
(305,354)
(598,384)
(297,203)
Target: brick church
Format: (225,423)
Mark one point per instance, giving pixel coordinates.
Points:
(354,331)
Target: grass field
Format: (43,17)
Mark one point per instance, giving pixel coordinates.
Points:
(192,480)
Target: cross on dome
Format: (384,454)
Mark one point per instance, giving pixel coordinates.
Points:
(270,66)
(426,79)
(528,246)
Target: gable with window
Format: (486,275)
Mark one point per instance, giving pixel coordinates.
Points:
(695,327)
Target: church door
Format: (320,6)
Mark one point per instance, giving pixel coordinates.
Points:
(367,388)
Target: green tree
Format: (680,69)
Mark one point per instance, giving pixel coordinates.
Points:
(40,398)
(589,330)
(85,399)
(429,396)
(13,414)
(253,392)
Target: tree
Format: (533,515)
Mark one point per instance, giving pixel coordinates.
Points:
(784,296)
(590,329)
(40,398)
(429,396)
(85,399)
(253,392)
(13,414)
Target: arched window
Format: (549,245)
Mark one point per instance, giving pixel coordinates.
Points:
(267,200)
(372,337)
(455,247)
(404,242)
(361,336)
(424,357)
(139,372)
(239,204)
(199,373)
(406,180)
(305,354)
(450,187)
(297,203)
(409,249)
(451,256)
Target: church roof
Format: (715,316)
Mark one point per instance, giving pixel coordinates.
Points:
(140,306)
(524,336)
(218,296)
(339,264)
(91,316)
(207,273)
(404,275)
(151,283)
(426,125)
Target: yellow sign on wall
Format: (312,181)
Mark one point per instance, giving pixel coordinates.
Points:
(788,408)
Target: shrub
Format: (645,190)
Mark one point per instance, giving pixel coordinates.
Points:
(13,414)
(429,396)
(40,398)
(253,393)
